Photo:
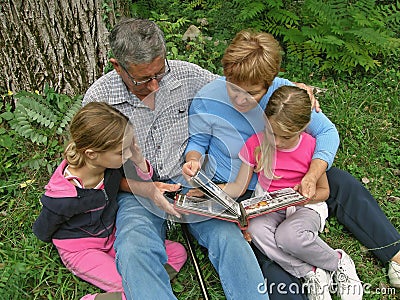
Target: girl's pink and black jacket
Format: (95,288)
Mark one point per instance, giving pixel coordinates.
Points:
(71,212)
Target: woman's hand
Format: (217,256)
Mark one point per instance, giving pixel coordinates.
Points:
(310,92)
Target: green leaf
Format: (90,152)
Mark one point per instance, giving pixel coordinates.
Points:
(6,141)
(7,115)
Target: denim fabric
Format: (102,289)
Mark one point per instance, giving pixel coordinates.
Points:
(141,253)
(232,257)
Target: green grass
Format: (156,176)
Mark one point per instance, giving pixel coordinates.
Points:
(366,110)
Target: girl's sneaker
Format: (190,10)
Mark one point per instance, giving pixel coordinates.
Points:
(317,284)
(105,296)
(394,274)
(347,284)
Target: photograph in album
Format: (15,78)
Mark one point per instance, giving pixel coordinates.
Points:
(218,204)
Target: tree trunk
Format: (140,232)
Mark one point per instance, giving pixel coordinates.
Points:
(62,43)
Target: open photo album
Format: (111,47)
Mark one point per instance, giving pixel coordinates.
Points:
(218,204)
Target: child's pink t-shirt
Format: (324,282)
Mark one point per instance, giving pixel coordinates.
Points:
(290,164)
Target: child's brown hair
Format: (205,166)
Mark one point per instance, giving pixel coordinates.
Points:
(290,109)
(96,126)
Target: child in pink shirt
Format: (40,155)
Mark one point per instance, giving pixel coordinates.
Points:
(281,155)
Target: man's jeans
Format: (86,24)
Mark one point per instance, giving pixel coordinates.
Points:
(141,253)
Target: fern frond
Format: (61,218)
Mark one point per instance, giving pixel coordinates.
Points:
(281,16)
(344,35)
(37,111)
(39,117)
(253,9)
(73,109)
(353,48)
(365,6)
(390,15)
(25,128)
(197,4)
(374,39)
(293,35)
(328,13)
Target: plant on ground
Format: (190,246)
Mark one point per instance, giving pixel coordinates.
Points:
(338,36)
(341,36)
(364,107)
(42,120)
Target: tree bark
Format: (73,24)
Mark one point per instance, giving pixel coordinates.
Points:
(62,43)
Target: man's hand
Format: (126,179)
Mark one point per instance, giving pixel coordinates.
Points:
(153,191)
(195,193)
(160,200)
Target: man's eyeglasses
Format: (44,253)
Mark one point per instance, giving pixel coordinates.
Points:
(156,77)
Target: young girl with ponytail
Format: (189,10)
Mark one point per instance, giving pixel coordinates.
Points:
(79,205)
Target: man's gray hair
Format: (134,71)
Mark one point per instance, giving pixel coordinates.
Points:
(137,41)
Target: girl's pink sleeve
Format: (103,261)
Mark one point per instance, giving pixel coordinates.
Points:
(246,154)
(143,175)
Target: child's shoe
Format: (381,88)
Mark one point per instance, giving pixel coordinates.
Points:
(348,285)
(394,274)
(104,296)
(317,284)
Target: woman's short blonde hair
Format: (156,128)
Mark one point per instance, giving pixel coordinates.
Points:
(252,57)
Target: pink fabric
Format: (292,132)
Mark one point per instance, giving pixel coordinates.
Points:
(58,185)
(145,176)
(291,164)
(97,265)
(176,254)
(81,244)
